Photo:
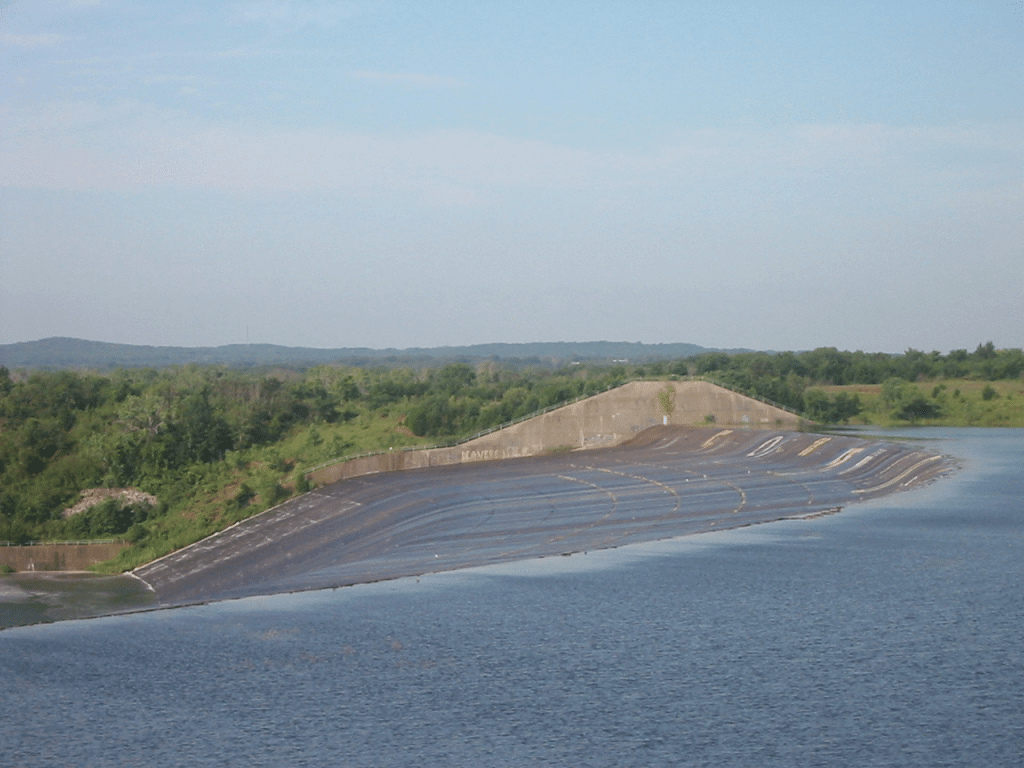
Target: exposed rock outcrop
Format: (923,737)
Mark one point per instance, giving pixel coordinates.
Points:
(93,496)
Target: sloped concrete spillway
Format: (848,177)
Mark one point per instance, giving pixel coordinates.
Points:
(669,481)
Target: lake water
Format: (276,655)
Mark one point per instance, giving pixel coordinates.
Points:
(889,635)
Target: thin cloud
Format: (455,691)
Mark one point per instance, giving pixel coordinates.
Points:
(821,168)
(406,78)
(292,14)
(45,40)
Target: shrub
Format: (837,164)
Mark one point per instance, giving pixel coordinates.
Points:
(136,534)
(244,496)
(273,493)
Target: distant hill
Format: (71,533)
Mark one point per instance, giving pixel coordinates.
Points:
(60,352)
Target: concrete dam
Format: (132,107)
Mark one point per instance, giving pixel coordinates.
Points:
(601,421)
(627,469)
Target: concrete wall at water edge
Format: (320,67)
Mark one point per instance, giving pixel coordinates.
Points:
(58,557)
(604,420)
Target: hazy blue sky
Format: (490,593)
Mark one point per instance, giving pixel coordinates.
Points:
(774,175)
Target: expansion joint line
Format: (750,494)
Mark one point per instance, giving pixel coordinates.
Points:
(789,476)
(701,476)
(740,491)
(493,510)
(655,521)
(610,494)
(595,486)
(661,485)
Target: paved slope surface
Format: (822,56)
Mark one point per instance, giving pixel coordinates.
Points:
(669,481)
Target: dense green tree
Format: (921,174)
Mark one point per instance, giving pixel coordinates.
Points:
(38,441)
(452,379)
(907,402)
(919,407)
(197,432)
(710,361)
(838,409)
(986,351)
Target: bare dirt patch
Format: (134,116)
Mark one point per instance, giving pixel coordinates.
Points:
(93,496)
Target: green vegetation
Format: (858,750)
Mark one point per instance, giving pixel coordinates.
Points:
(953,403)
(667,400)
(216,445)
(830,386)
(823,408)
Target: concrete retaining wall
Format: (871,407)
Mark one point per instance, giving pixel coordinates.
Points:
(603,420)
(58,557)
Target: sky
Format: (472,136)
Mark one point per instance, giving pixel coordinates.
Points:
(766,175)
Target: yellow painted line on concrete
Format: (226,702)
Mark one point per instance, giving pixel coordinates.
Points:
(707,443)
(814,446)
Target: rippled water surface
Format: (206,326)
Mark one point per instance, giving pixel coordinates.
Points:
(887,635)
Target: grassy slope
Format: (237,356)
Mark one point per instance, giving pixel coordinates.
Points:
(961,402)
(207,502)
